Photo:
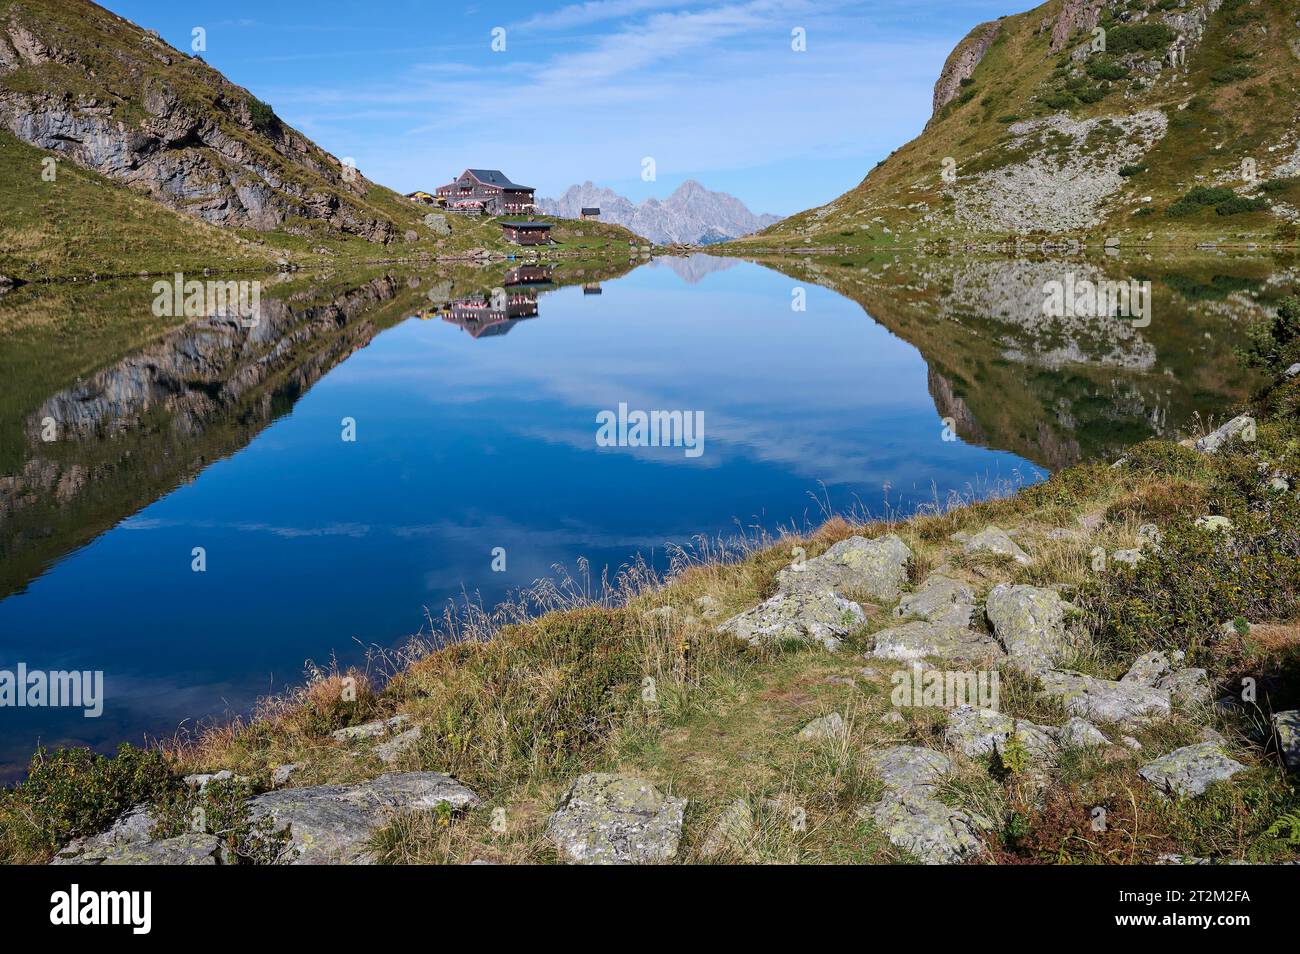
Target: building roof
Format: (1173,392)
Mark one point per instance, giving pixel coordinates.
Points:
(592,210)
(495,177)
(525,225)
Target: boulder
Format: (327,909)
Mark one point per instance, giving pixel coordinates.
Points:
(1189,771)
(918,640)
(1105,700)
(935,833)
(133,826)
(940,599)
(1147,669)
(877,568)
(370,730)
(1080,734)
(910,769)
(1286,728)
(975,732)
(615,819)
(996,541)
(1187,687)
(390,750)
(333,824)
(802,617)
(437,224)
(1213,441)
(1030,623)
(827,727)
(191,848)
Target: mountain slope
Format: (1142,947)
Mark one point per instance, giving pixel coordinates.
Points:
(692,214)
(1184,128)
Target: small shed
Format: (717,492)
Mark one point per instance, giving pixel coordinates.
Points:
(589,213)
(526,233)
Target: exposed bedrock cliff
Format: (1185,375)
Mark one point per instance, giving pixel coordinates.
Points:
(121,102)
(962,61)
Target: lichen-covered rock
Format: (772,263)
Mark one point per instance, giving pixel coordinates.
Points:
(390,750)
(333,824)
(1187,687)
(826,727)
(815,617)
(1189,771)
(1080,734)
(1105,700)
(918,640)
(132,826)
(1030,623)
(606,818)
(982,732)
(996,541)
(1147,669)
(1243,425)
(877,568)
(940,599)
(370,730)
(1286,728)
(910,769)
(190,848)
(935,833)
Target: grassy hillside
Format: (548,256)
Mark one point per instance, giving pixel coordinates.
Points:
(1082,144)
(134,124)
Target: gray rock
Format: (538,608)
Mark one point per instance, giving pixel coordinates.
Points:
(202,781)
(1147,669)
(1080,734)
(996,541)
(191,848)
(392,749)
(437,224)
(1105,700)
(803,617)
(877,568)
(133,826)
(1030,622)
(731,832)
(370,730)
(281,774)
(1130,742)
(910,769)
(933,832)
(940,599)
(333,824)
(614,819)
(1129,557)
(918,640)
(1187,687)
(1286,728)
(1293,371)
(826,727)
(1212,442)
(1189,771)
(983,732)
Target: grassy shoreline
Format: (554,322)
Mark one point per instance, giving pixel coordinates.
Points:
(523,698)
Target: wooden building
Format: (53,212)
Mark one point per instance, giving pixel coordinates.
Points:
(588,214)
(488,191)
(526,233)
(422,197)
(482,317)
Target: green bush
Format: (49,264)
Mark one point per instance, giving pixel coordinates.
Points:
(1276,344)
(1140,36)
(1131,170)
(1240,203)
(1231,74)
(262,116)
(1275,186)
(72,792)
(1106,68)
(1224,200)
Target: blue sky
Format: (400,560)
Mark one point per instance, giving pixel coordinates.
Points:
(711,89)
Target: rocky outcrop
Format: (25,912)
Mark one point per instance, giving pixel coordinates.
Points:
(1075,16)
(877,568)
(940,599)
(214,157)
(817,617)
(1105,700)
(1189,771)
(996,541)
(1286,729)
(946,641)
(977,732)
(826,727)
(961,63)
(911,818)
(613,819)
(1030,623)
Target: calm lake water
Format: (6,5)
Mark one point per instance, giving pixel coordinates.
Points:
(476,428)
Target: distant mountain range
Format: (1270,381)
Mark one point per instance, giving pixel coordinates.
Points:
(691,214)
